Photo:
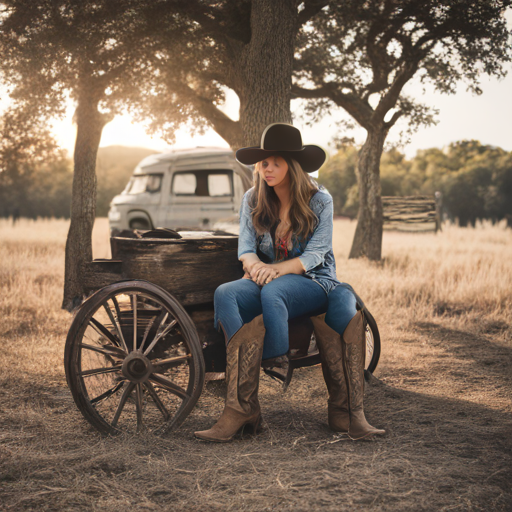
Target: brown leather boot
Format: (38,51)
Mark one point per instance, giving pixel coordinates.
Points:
(329,344)
(242,408)
(353,344)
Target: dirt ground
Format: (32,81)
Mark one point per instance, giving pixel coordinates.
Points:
(442,391)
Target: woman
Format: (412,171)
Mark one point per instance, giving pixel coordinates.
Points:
(285,246)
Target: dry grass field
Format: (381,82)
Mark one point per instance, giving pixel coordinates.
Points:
(442,391)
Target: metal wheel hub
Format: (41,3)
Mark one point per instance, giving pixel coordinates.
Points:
(137,367)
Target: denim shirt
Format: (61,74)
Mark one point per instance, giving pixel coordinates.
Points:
(315,253)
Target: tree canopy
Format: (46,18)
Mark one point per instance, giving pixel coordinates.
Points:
(360,55)
(35,176)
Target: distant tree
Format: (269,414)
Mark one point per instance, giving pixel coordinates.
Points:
(477,186)
(360,55)
(498,199)
(396,176)
(475,179)
(338,175)
(31,166)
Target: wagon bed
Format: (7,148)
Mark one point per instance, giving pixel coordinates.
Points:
(192,266)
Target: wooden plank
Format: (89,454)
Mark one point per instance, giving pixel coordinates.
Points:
(409,212)
(190,268)
(102,272)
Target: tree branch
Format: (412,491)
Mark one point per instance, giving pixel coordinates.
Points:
(228,129)
(394,118)
(357,107)
(389,99)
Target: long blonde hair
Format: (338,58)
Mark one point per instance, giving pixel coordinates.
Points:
(265,203)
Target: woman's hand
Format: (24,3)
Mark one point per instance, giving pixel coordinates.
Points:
(249,260)
(263,274)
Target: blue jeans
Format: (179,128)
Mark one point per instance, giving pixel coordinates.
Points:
(341,309)
(287,297)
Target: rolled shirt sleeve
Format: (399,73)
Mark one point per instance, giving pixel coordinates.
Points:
(247,235)
(321,241)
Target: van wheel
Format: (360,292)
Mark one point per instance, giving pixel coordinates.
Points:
(139,224)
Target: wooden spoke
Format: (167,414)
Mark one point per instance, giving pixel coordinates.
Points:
(118,314)
(103,331)
(100,371)
(160,336)
(107,393)
(169,386)
(126,393)
(154,395)
(134,306)
(156,321)
(105,350)
(171,362)
(138,406)
(115,324)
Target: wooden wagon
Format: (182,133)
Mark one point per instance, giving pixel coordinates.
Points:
(140,346)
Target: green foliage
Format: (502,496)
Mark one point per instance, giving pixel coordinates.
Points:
(475,179)
(338,176)
(35,176)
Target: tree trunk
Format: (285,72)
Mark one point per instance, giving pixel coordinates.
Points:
(368,236)
(90,125)
(264,70)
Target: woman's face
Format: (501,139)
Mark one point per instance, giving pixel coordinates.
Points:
(274,170)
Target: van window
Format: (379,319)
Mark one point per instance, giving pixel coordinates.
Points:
(144,183)
(154,183)
(219,185)
(184,184)
(203,183)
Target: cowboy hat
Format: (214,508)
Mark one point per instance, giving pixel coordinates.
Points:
(285,140)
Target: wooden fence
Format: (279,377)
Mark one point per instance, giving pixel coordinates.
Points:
(412,213)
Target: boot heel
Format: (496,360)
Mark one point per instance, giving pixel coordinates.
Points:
(253,427)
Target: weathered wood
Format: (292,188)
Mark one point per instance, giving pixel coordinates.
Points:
(190,268)
(404,212)
(100,273)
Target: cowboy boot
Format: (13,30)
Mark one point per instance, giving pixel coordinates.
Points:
(331,354)
(279,368)
(242,408)
(353,343)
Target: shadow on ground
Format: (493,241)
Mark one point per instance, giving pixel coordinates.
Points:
(445,448)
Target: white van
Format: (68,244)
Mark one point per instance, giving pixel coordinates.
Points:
(199,188)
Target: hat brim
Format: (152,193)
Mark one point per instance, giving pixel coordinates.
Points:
(309,157)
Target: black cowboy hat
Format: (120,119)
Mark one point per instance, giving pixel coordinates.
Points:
(283,139)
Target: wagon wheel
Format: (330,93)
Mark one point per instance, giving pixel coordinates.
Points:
(372,343)
(133,359)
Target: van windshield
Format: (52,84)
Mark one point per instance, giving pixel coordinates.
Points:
(144,183)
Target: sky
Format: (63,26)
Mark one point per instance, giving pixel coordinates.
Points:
(487,118)
(463,115)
